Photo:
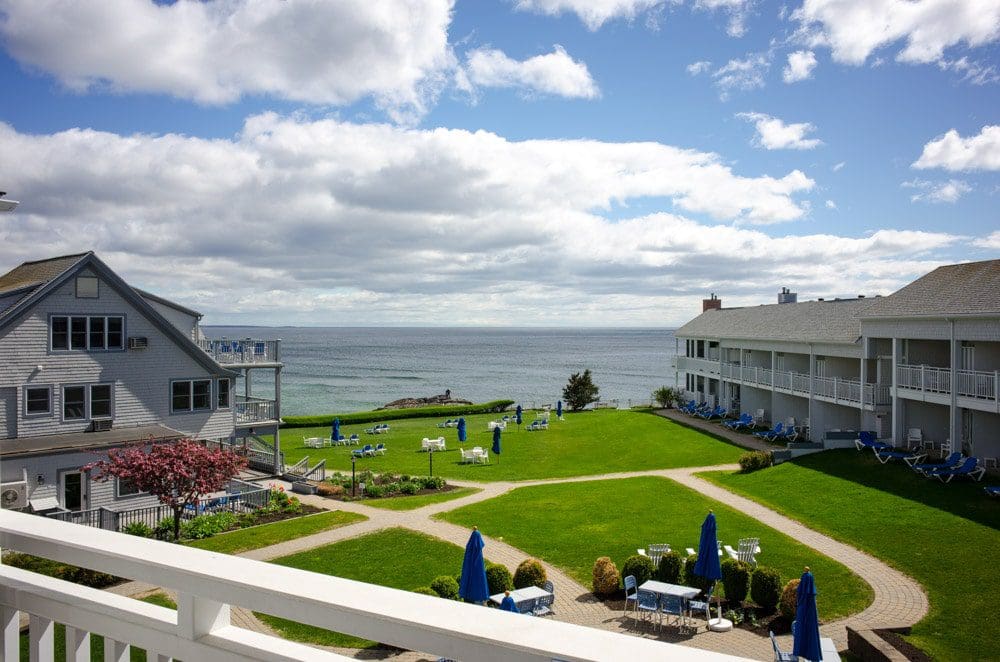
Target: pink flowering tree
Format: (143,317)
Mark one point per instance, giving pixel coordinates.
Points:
(177,473)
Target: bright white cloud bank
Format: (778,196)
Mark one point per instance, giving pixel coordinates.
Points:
(799,67)
(853,29)
(555,73)
(313,51)
(953,152)
(772,133)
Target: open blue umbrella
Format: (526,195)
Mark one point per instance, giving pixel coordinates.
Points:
(473,586)
(496,440)
(806,642)
(461,430)
(335,434)
(508,604)
(559,409)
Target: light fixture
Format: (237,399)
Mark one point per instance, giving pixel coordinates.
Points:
(41,479)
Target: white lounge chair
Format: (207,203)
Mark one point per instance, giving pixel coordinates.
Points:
(748,549)
(314,442)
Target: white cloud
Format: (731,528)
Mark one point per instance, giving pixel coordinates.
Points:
(973,72)
(955,153)
(853,29)
(554,73)
(830,204)
(992,241)
(215,52)
(800,66)
(745,74)
(698,68)
(738,11)
(937,192)
(773,133)
(593,13)
(837,167)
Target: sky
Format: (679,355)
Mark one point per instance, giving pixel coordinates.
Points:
(509,162)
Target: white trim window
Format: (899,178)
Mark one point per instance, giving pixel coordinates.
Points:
(223,394)
(91,333)
(37,400)
(188,395)
(125,489)
(81,402)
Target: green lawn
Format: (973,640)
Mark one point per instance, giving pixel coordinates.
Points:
(944,536)
(420,500)
(265,535)
(586,443)
(572,524)
(398,558)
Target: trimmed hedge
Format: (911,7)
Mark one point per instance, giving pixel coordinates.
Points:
(756,460)
(380,415)
(498,578)
(765,587)
(736,581)
(606,578)
(692,579)
(641,567)
(529,573)
(670,567)
(446,587)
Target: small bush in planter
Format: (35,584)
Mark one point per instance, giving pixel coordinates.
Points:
(446,587)
(765,587)
(669,568)
(690,578)
(789,599)
(755,460)
(640,566)
(606,578)
(498,578)
(736,580)
(529,573)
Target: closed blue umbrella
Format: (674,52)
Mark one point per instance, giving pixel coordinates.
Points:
(806,642)
(559,409)
(335,434)
(708,565)
(461,430)
(473,586)
(496,440)
(517,414)
(508,604)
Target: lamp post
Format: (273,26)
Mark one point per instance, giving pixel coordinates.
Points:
(352,474)
(430,459)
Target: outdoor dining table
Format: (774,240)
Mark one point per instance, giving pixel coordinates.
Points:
(685,593)
(523,597)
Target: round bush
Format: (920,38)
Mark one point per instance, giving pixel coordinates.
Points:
(765,587)
(789,599)
(425,590)
(374,491)
(446,587)
(606,577)
(755,460)
(640,566)
(736,581)
(498,578)
(690,578)
(409,488)
(140,529)
(669,568)
(529,573)
(329,490)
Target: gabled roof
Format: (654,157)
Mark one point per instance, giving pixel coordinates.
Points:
(70,265)
(836,321)
(972,288)
(167,302)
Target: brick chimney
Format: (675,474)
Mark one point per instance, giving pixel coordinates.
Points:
(713,303)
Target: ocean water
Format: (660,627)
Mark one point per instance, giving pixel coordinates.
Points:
(355,369)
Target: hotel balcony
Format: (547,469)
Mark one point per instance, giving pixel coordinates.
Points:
(244,352)
(691,364)
(838,390)
(209,584)
(254,411)
(976,389)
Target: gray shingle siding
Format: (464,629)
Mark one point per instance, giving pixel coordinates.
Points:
(8,412)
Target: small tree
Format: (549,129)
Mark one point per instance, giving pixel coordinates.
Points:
(177,473)
(580,391)
(665,396)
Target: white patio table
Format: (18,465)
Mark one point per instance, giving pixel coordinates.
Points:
(685,593)
(522,596)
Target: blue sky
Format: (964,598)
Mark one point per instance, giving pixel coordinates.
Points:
(550,162)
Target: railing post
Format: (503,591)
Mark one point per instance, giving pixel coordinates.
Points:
(923,383)
(41,639)
(10,619)
(77,645)
(197,617)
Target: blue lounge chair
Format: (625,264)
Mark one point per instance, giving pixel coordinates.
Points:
(867,440)
(970,467)
(354,439)
(911,457)
(773,433)
(379,448)
(951,461)
(718,412)
(790,434)
(744,421)
(992,490)
(359,452)
(688,408)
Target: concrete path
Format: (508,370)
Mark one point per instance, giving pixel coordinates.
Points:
(898,600)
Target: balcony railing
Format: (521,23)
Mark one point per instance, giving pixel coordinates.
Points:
(837,388)
(249,410)
(932,379)
(690,363)
(206,586)
(243,351)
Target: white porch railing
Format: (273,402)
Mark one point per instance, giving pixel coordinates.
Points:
(932,379)
(836,388)
(243,351)
(692,364)
(249,410)
(207,584)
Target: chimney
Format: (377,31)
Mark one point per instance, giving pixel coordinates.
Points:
(787,296)
(713,303)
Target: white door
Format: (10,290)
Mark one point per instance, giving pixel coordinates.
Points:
(73,490)
(968,357)
(821,367)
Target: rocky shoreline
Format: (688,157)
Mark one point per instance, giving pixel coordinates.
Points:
(409,403)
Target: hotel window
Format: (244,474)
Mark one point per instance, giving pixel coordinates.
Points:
(191,395)
(93,333)
(222,394)
(37,400)
(74,403)
(126,489)
(100,401)
(88,401)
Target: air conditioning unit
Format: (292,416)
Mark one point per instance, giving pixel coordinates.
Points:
(101,424)
(14,495)
(138,342)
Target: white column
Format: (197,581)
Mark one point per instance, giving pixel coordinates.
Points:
(278,469)
(864,373)
(897,404)
(813,428)
(41,639)
(77,645)
(954,419)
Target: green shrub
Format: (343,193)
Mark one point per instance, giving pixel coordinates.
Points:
(640,566)
(669,568)
(431,482)
(409,488)
(164,530)
(754,460)
(789,599)
(765,587)
(446,587)
(606,577)
(64,571)
(690,578)
(529,573)
(425,590)
(735,581)
(206,526)
(380,415)
(374,491)
(498,578)
(140,529)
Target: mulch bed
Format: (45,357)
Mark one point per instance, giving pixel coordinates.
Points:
(897,641)
(348,497)
(270,518)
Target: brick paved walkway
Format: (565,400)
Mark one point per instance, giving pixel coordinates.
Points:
(898,600)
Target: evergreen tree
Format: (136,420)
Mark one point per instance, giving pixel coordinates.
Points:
(580,391)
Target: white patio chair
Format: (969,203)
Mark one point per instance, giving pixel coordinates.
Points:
(914,438)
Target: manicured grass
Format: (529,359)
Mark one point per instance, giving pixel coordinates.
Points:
(398,558)
(420,500)
(265,535)
(96,640)
(572,524)
(944,536)
(586,443)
